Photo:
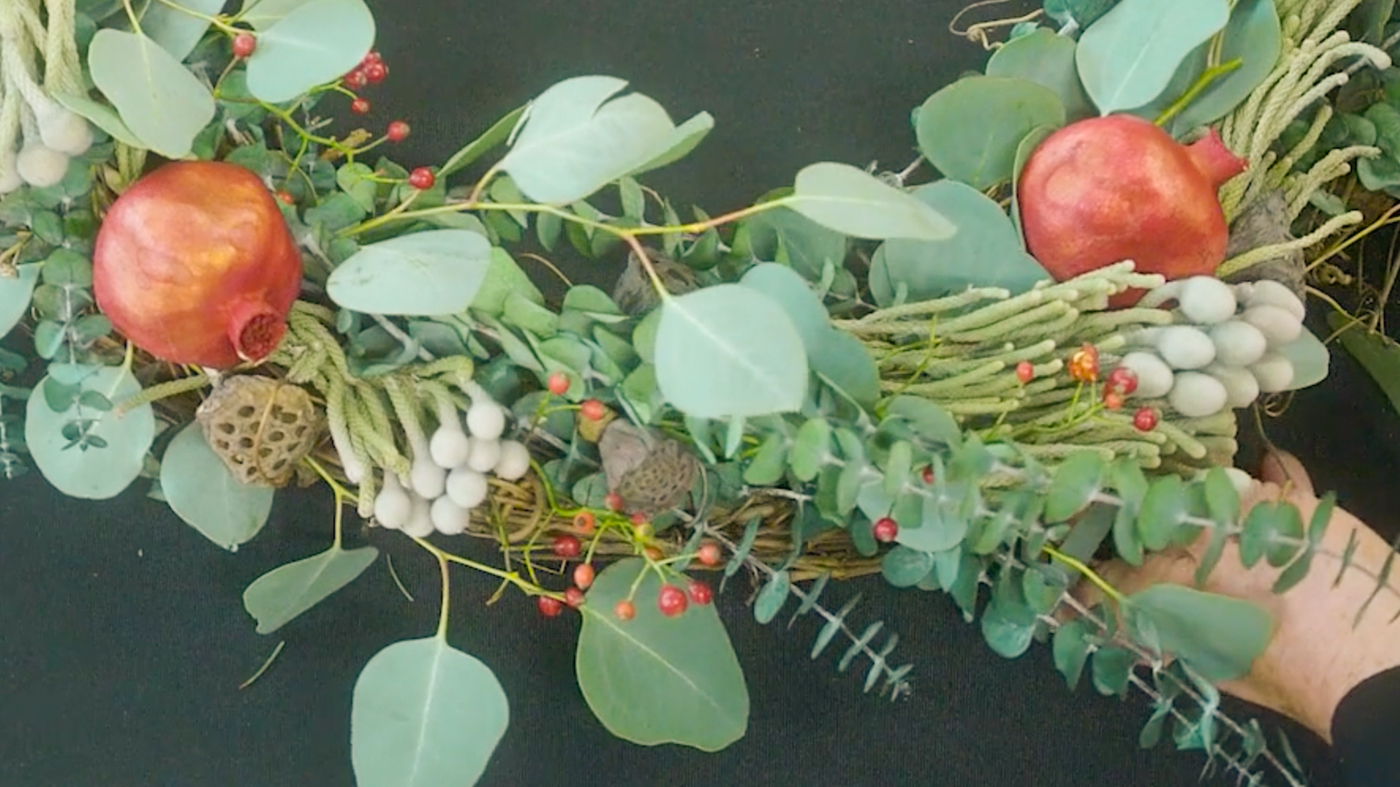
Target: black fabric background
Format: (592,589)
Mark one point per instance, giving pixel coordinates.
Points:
(122,633)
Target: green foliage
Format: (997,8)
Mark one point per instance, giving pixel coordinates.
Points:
(278,596)
(1253,36)
(1378,355)
(85,451)
(202,491)
(1218,636)
(1129,55)
(162,103)
(655,679)
(970,129)
(855,203)
(424,714)
(429,273)
(1046,59)
(313,44)
(15,292)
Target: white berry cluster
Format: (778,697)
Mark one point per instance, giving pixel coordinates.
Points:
(1223,351)
(37,134)
(449,472)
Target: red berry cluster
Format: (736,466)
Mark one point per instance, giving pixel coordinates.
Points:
(370,71)
(1122,381)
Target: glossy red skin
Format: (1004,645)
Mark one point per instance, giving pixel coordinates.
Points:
(1116,188)
(195,265)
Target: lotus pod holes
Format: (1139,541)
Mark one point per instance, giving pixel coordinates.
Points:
(260,427)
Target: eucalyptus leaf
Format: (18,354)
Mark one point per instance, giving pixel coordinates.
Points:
(1254,36)
(903,567)
(573,140)
(657,679)
(970,129)
(86,471)
(496,135)
(430,273)
(1127,57)
(15,292)
(809,246)
(202,491)
(1309,358)
(728,350)
(853,202)
(1378,354)
(285,592)
(316,43)
(160,101)
(425,714)
(1219,636)
(262,14)
(177,31)
(101,115)
(771,599)
(1046,59)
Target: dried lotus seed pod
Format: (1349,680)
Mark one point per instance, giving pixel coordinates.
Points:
(260,427)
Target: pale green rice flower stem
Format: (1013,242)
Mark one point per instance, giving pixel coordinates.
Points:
(1240,262)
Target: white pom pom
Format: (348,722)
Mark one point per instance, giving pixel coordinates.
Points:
(485,454)
(391,506)
(64,131)
(514,461)
(1153,374)
(420,519)
(486,419)
(1237,343)
(427,478)
(449,518)
(41,165)
(1197,395)
(449,445)
(466,487)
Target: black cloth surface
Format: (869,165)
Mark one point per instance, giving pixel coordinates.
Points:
(1363,731)
(122,634)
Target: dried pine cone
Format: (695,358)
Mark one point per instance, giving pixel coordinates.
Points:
(650,472)
(260,427)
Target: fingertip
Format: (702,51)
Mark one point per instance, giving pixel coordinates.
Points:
(1284,469)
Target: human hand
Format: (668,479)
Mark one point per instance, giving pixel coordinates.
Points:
(1316,654)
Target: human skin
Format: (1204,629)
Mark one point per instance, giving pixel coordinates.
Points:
(1315,655)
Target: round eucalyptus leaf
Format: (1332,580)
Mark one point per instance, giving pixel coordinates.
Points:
(1217,635)
(792,292)
(202,491)
(313,44)
(15,292)
(176,29)
(428,274)
(262,14)
(1309,357)
(854,202)
(810,449)
(969,130)
(1164,509)
(657,679)
(111,451)
(160,101)
(726,351)
(1128,57)
(278,596)
(842,361)
(425,714)
(1076,482)
(938,529)
(1008,624)
(1254,36)
(903,567)
(986,252)
(1045,58)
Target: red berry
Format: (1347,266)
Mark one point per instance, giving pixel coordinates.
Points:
(638,519)
(421,178)
(549,606)
(709,554)
(885,530)
(558,383)
(592,409)
(700,593)
(286,197)
(583,575)
(573,597)
(397,132)
(244,45)
(370,57)
(360,106)
(1025,372)
(374,72)
(355,80)
(613,501)
(566,546)
(1112,400)
(1123,380)
(625,610)
(1145,419)
(927,474)
(671,601)
(584,522)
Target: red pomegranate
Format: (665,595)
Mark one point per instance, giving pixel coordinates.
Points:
(1116,188)
(195,264)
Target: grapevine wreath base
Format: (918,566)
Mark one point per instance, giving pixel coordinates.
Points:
(981,383)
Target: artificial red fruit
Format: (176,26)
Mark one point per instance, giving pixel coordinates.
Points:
(397,131)
(625,610)
(613,501)
(566,546)
(1114,188)
(360,106)
(356,79)
(1025,371)
(1084,364)
(583,575)
(558,383)
(244,44)
(422,179)
(638,519)
(195,265)
(1112,400)
(592,409)
(375,72)
(573,597)
(286,197)
(1145,419)
(549,606)
(886,530)
(370,57)
(709,554)
(1123,380)
(927,474)
(584,522)
(699,592)
(671,601)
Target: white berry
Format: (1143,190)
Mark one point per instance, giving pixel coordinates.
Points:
(420,519)
(449,445)
(427,477)
(486,419)
(1238,343)
(449,518)
(1197,395)
(484,456)
(41,165)
(514,461)
(391,505)
(466,487)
